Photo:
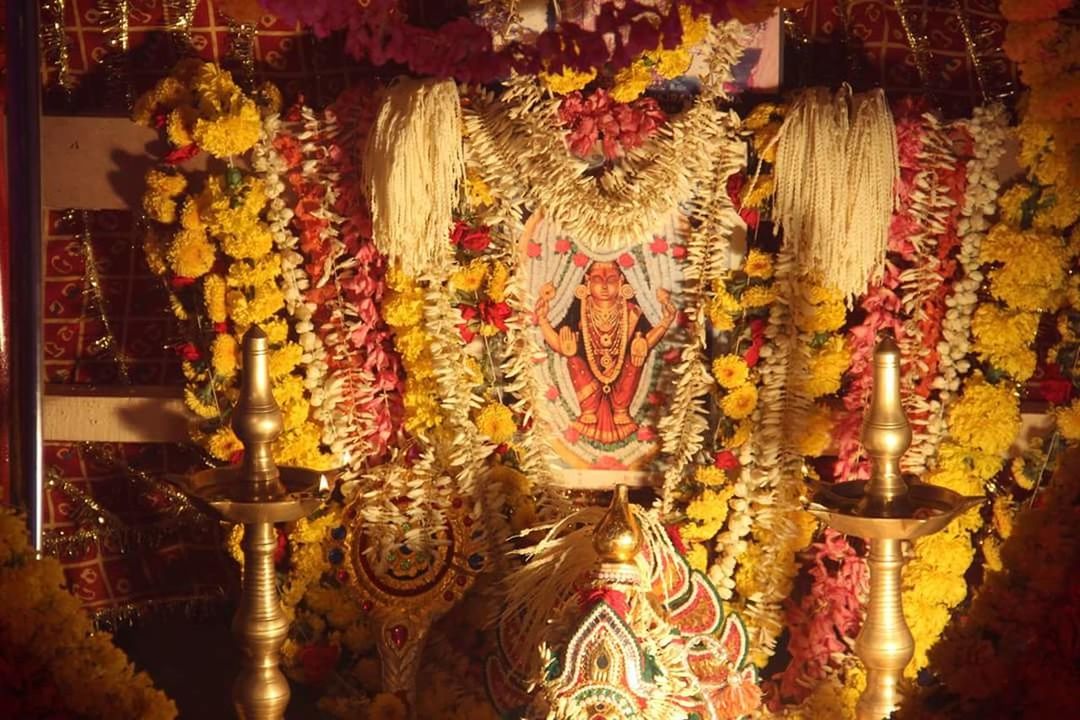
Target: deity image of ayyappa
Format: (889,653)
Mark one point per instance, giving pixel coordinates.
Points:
(605,349)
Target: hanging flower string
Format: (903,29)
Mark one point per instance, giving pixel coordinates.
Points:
(216,252)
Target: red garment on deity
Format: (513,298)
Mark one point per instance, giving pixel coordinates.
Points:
(605,409)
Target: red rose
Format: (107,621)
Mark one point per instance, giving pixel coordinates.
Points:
(533,250)
(726,460)
(179,155)
(626,260)
(471,239)
(189,352)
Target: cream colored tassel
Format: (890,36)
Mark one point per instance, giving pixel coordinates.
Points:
(413,171)
(836,173)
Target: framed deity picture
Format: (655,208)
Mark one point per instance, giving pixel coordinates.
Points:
(608,326)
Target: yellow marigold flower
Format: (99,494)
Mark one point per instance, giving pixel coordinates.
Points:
(721,320)
(567,81)
(168,93)
(156,253)
(189,215)
(763,144)
(496,422)
(179,124)
(673,63)
(821,310)
(725,301)
(195,404)
(1059,208)
(223,444)
(1003,338)
(758,265)
(165,183)
(159,208)
(730,371)
(760,116)
(256,241)
(471,277)
(245,273)
(697,556)
(214,297)
(1068,421)
(1033,271)
(815,431)
(270,98)
(497,280)
(191,254)
(266,300)
(740,436)
(285,359)
(748,580)
(522,513)
(224,352)
(695,29)
(740,402)
(1003,512)
(710,476)
(706,514)
(805,527)
(403,310)
(1010,203)
(232,134)
(758,296)
(479,194)
(825,368)
(289,389)
(1017,469)
(631,82)
(756,197)
(985,417)
(357,638)
(276,329)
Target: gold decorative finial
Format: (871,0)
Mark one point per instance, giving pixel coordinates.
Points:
(617,537)
(886,435)
(256,419)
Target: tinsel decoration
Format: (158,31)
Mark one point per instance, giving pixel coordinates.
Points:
(920,49)
(115,27)
(981,58)
(179,18)
(54,44)
(96,523)
(242,52)
(95,296)
(128,613)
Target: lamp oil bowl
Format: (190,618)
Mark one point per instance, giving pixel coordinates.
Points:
(886,510)
(258,494)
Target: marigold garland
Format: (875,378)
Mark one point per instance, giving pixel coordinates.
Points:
(55,662)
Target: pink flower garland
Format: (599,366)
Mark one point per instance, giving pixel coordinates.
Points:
(360,344)
(822,620)
(379,32)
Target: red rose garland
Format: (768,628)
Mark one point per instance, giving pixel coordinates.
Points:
(378,32)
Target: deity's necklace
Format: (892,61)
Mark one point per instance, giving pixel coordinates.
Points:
(606,362)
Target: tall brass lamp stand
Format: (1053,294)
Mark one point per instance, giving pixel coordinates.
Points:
(258,494)
(887,510)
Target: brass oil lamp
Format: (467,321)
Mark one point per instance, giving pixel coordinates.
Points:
(258,494)
(887,510)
